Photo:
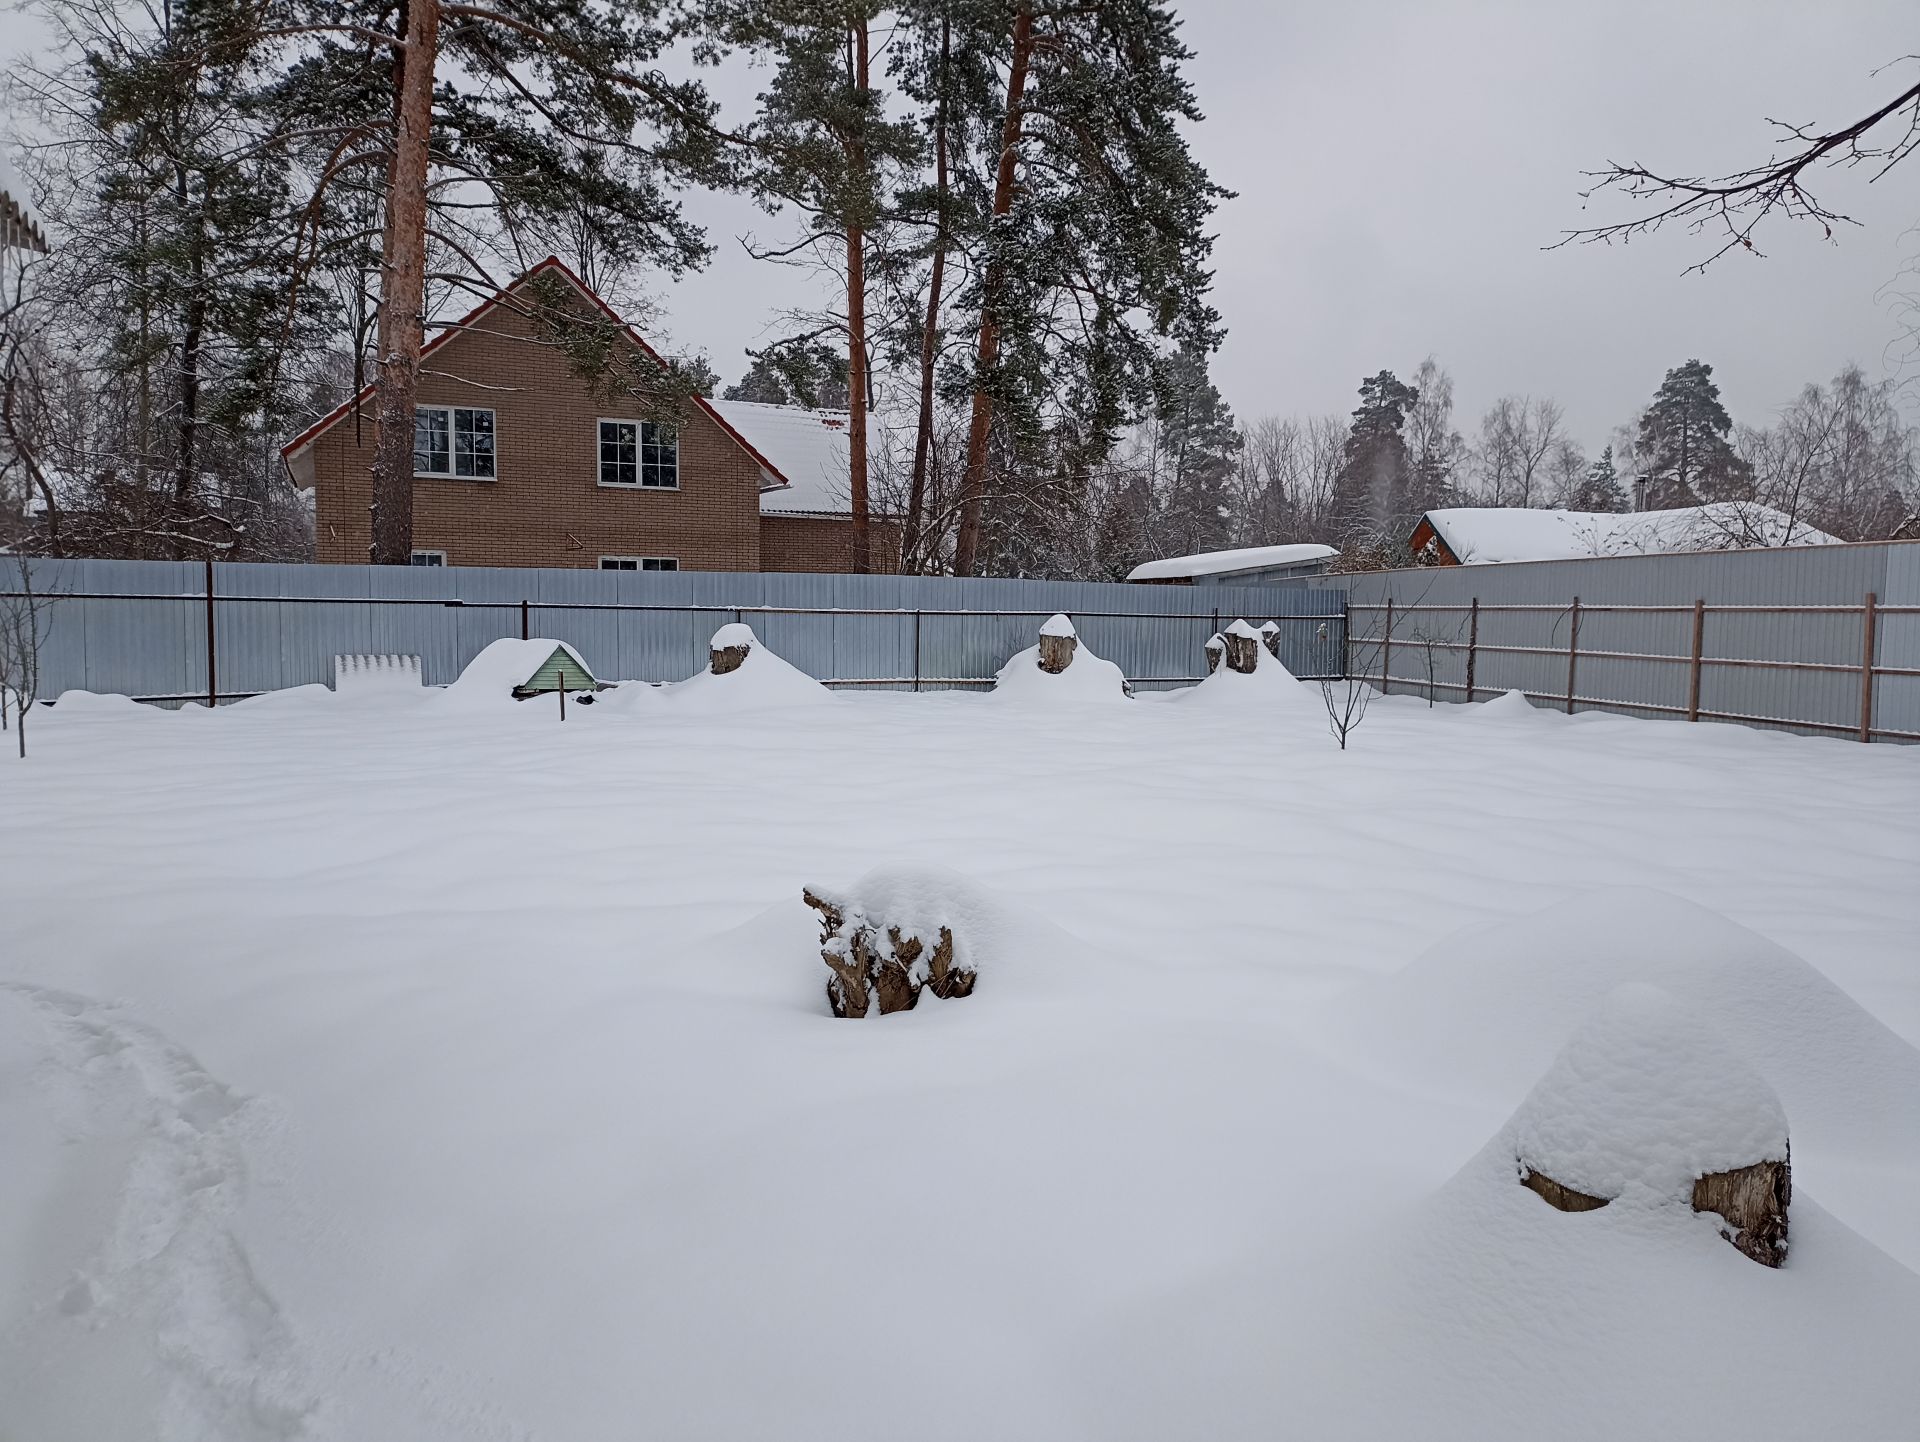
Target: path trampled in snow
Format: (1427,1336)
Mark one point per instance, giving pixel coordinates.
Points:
(406,1067)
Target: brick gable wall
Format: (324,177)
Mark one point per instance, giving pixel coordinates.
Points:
(546,507)
(822,543)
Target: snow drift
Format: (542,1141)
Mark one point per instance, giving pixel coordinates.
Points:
(489,678)
(1270,686)
(1088,679)
(761,680)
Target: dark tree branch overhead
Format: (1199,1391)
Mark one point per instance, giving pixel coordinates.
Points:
(1733,206)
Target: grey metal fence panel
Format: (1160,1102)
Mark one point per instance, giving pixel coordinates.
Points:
(1635,679)
(282,625)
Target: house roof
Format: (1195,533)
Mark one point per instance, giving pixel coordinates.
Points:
(1485,535)
(809,448)
(19,226)
(1226,563)
(773,477)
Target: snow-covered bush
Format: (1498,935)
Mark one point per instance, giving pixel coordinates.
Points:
(1647,1105)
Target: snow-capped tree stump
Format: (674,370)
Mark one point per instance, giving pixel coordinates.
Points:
(1057,645)
(880,969)
(1270,638)
(1242,645)
(728,649)
(1216,648)
(1753,1203)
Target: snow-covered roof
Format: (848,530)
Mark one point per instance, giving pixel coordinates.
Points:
(808,448)
(1482,535)
(19,226)
(1224,563)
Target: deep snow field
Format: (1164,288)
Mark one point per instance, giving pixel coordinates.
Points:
(415,1067)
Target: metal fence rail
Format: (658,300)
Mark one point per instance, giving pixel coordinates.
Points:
(174,632)
(1823,640)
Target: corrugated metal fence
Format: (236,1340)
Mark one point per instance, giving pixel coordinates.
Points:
(148,628)
(1823,640)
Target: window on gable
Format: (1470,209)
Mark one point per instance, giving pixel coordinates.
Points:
(454,441)
(638,453)
(639,563)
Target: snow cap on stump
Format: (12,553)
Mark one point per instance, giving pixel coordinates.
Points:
(1647,1102)
(729,647)
(1270,638)
(1057,644)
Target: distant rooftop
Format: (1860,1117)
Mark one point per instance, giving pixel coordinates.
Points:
(1488,535)
(19,226)
(1228,563)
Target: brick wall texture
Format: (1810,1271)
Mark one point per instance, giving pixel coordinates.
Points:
(545,506)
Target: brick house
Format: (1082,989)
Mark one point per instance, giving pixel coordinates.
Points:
(517,462)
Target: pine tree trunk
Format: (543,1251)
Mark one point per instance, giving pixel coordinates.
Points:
(193,331)
(936,281)
(403,289)
(974,484)
(857,341)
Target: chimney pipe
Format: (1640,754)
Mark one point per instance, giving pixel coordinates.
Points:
(1640,493)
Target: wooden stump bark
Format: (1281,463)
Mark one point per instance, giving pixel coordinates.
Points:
(722,659)
(1243,649)
(1752,1201)
(883,970)
(1056,652)
(1216,648)
(1565,1198)
(1270,638)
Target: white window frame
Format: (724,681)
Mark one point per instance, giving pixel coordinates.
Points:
(639,455)
(658,565)
(451,474)
(439,558)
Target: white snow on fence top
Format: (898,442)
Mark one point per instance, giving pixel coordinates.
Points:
(1057,625)
(1225,563)
(1484,535)
(807,447)
(1646,1095)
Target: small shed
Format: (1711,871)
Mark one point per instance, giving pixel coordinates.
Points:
(562,670)
(1248,566)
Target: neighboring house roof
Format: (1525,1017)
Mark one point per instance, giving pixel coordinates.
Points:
(19,226)
(1486,535)
(1227,563)
(772,477)
(809,448)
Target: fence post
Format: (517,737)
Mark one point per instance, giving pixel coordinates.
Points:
(916,650)
(1693,662)
(1473,643)
(213,668)
(1866,667)
(1346,640)
(1386,641)
(1573,651)
(525,633)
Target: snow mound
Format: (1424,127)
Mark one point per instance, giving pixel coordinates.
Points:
(71,704)
(762,681)
(1507,706)
(490,677)
(1271,687)
(1645,1098)
(1088,678)
(1485,1011)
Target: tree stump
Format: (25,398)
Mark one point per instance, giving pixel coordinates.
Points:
(1270,638)
(1555,1195)
(1216,648)
(1242,644)
(722,659)
(1753,1203)
(1056,652)
(883,970)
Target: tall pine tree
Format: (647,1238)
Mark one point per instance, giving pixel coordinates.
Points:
(1370,500)
(1683,436)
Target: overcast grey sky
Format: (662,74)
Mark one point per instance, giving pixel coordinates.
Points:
(1400,165)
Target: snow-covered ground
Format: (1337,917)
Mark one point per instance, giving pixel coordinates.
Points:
(415,1066)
